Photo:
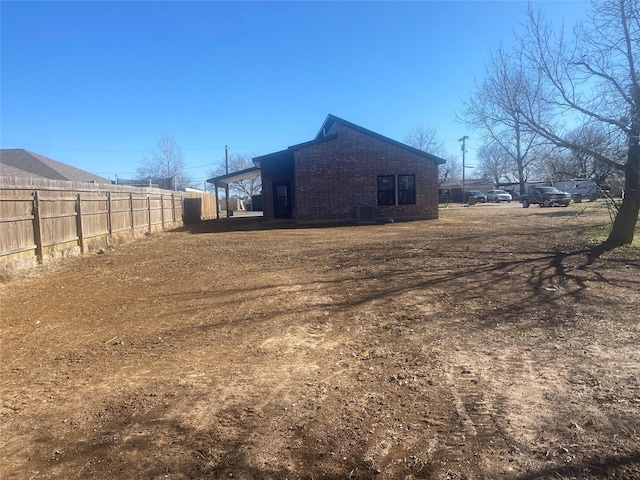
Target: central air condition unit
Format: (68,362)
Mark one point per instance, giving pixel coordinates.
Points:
(365,214)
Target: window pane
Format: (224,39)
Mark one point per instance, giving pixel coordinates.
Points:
(386,190)
(406,189)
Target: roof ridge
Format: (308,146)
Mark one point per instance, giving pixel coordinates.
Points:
(333,119)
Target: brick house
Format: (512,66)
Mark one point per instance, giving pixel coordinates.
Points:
(349,173)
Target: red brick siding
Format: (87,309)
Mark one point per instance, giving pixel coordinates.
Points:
(334,177)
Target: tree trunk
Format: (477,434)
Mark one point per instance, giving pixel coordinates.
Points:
(625,223)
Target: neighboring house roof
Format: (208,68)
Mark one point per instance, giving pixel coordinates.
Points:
(18,162)
(328,132)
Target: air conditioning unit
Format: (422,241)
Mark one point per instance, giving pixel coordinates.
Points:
(365,214)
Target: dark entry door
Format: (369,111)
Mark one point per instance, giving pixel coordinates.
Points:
(282,199)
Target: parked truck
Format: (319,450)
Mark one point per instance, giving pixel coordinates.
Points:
(545,197)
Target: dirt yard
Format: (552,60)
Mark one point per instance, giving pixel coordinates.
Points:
(486,345)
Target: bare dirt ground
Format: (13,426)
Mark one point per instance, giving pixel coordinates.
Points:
(489,344)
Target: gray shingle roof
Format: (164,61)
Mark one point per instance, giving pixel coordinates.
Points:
(19,162)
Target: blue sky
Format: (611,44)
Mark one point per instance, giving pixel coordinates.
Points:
(94,84)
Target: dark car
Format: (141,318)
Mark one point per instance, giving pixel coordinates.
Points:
(477,194)
(546,197)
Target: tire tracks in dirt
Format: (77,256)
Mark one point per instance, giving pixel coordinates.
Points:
(482,411)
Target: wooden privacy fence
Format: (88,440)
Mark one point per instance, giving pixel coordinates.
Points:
(199,206)
(41,218)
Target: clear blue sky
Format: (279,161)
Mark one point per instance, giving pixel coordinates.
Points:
(94,84)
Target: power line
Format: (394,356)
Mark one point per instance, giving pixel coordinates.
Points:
(102,151)
(214,148)
(201,166)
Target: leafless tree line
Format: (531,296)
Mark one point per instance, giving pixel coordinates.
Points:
(566,104)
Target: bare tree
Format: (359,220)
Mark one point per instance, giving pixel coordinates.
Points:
(565,163)
(424,138)
(244,188)
(592,78)
(166,161)
(494,163)
(494,110)
(452,170)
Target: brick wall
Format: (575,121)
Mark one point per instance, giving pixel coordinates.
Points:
(334,177)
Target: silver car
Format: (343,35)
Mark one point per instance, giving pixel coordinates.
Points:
(498,196)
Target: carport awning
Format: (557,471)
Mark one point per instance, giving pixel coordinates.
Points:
(224,180)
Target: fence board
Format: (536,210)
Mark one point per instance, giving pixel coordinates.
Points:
(41,218)
(207,208)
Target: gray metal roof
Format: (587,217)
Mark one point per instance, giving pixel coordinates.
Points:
(18,162)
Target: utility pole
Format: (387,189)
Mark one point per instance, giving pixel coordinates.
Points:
(226,171)
(464,150)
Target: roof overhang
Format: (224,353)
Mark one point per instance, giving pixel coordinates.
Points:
(282,155)
(224,180)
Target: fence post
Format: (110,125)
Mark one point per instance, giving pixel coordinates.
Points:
(173,207)
(109,220)
(79,223)
(131,210)
(37,225)
(162,209)
(149,210)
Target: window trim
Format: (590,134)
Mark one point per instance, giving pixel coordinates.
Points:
(394,195)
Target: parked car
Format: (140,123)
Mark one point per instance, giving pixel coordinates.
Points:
(546,197)
(477,194)
(498,196)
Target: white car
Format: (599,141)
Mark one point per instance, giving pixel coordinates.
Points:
(498,196)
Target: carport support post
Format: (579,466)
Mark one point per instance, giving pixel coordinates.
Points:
(217,203)
(226,185)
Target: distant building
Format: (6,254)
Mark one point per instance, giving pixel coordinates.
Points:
(579,187)
(18,162)
(165,183)
(451,190)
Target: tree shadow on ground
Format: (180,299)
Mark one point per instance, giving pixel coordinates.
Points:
(127,446)
(610,467)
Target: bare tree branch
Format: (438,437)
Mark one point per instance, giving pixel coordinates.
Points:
(592,82)
(165,161)
(495,109)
